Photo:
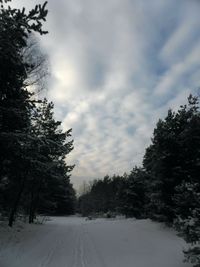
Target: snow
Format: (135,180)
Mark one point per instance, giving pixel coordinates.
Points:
(76,242)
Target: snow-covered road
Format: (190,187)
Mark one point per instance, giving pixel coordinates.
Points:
(75,242)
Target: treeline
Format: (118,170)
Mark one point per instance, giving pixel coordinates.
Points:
(34,176)
(167,186)
(115,195)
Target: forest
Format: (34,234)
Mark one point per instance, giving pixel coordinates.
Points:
(35,176)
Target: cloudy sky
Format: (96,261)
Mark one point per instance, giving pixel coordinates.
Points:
(116,67)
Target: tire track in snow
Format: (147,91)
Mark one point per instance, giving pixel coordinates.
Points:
(50,254)
(99,261)
(57,245)
(79,255)
(82,255)
(75,251)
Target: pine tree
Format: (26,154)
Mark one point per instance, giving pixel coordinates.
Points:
(171,158)
(15,99)
(187,194)
(49,180)
(133,194)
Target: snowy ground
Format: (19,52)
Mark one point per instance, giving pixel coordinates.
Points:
(75,242)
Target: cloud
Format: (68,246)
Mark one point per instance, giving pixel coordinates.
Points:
(117,66)
(179,74)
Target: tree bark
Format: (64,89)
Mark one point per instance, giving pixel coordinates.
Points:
(16,204)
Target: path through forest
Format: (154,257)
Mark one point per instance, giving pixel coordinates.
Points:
(76,242)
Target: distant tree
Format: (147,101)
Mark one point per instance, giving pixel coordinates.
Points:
(84,188)
(101,196)
(118,194)
(133,194)
(85,204)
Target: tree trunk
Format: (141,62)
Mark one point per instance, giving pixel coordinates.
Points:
(30,220)
(34,203)
(31,216)
(15,205)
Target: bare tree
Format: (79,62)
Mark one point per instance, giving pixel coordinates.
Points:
(38,67)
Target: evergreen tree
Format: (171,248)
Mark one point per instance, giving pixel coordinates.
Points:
(102,196)
(33,169)
(187,194)
(49,177)
(133,194)
(117,195)
(171,158)
(15,99)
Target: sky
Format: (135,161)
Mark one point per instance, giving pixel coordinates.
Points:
(116,68)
